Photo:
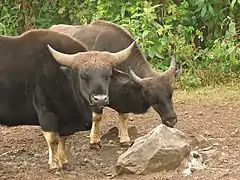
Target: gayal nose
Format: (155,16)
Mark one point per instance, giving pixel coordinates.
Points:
(171,122)
(101,98)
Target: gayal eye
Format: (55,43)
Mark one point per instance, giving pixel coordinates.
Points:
(107,78)
(85,78)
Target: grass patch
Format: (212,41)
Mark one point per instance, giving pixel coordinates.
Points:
(210,93)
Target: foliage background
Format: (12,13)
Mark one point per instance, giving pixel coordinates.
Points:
(204,34)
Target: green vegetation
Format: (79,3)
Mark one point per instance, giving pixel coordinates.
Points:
(205,35)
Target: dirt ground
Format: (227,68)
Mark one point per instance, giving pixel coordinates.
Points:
(213,113)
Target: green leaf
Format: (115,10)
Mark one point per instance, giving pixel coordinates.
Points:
(149,42)
(145,33)
(155,6)
(204,10)
(211,10)
(238,51)
(159,55)
(233,3)
(151,53)
(136,15)
(232,28)
(156,24)
(160,31)
(61,10)
(199,2)
(231,49)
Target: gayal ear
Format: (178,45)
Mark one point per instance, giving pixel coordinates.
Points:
(68,71)
(121,76)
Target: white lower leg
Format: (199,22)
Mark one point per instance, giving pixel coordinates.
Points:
(61,152)
(123,132)
(95,132)
(52,141)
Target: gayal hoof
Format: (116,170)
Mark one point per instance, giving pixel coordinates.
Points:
(54,166)
(125,144)
(63,159)
(58,165)
(96,145)
(67,167)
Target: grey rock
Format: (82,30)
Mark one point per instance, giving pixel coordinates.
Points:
(195,163)
(199,141)
(108,152)
(112,134)
(162,148)
(133,132)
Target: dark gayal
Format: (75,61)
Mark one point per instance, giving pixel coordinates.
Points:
(48,79)
(140,86)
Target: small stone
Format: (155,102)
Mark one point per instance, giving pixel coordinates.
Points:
(197,164)
(25,163)
(234,133)
(187,172)
(37,155)
(208,133)
(130,118)
(109,174)
(200,113)
(226,172)
(110,142)
(207,148)
(209,153)
(119,152)
(199,140)
(225,160)
(237,131)
(195,154)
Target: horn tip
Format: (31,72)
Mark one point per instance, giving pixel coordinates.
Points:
(50,48)
(132,45)
(173,57)
(130,70)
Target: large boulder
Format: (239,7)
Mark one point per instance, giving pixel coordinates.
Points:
(162,148)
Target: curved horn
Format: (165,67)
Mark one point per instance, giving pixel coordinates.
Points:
(122,55)
(64,59)
(135,78)
(173,64)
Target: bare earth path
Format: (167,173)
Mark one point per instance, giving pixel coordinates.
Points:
(213,113)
